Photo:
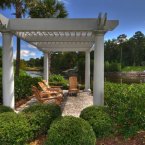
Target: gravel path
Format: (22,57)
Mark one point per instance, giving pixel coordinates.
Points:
(72,105)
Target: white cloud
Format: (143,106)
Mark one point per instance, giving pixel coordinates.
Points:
(31,46)
(27,53)
(64,1)
(24,46)
(14,55)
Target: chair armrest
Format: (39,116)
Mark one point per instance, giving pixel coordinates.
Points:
(56,86)
(45,94)
(50,93)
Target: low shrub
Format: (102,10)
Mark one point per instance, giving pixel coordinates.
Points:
(58,80)
(14,129)
(98,119)
(5,109)
(23,86)
(41,116)
(0,85)
(126,103)
(70,131)
(112,67)
(53,109)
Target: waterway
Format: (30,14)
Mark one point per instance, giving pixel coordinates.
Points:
(35,73)
(133,77)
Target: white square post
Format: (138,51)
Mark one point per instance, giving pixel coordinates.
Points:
(87,71)
(46,67)
(8,71)
(98,85)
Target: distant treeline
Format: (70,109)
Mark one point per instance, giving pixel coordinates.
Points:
(122,50)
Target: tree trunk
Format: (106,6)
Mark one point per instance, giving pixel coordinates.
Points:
(18,56)
(49,61)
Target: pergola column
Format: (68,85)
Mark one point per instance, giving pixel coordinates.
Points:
(45,67)
(8,71)
(98,84)
(87,71)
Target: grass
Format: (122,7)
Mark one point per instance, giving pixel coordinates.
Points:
(133,68)
(33,69)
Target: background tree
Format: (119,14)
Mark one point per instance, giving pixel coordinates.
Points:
(47,9)
(20,9)
(138,40)
(0,57)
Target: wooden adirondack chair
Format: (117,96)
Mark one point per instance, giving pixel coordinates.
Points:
(73,85)
(53,88)
(45,97)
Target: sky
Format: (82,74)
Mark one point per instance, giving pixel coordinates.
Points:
(130,13)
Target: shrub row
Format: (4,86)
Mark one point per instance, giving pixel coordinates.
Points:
(14,129)
(126,105)
(41,116)
(112,67)
(21,128)
(24,82)
(23,86)
(58,80)
(5,109)
(0,85)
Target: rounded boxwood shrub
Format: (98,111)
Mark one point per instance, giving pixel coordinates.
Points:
(70,130)
(39,122)
(98,119)
(14,129)
(53,109)
(5,109)
(41,116)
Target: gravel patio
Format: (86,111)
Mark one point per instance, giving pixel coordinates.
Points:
(72,105)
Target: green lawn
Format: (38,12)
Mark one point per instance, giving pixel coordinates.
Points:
(133,68)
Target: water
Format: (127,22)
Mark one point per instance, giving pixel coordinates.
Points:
(136,77)
(35,73)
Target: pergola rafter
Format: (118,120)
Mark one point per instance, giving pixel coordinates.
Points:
(58,34)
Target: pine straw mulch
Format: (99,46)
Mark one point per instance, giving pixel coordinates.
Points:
(138,139)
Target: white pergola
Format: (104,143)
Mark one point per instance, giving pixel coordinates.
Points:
(57,35)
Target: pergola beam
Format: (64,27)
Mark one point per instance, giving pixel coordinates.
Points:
(59,39)
(63,49)
(63,44)
(55,24)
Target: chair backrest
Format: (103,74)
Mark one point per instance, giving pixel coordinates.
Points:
(36,93)
(43,86)
(73,82)
(45,83)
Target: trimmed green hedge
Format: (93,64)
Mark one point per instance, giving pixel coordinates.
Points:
(40,116)
(5,109)
(71,131)
(58,80)
(23,86)
(126,105)
(98,119)
(14,129)
(0,85)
